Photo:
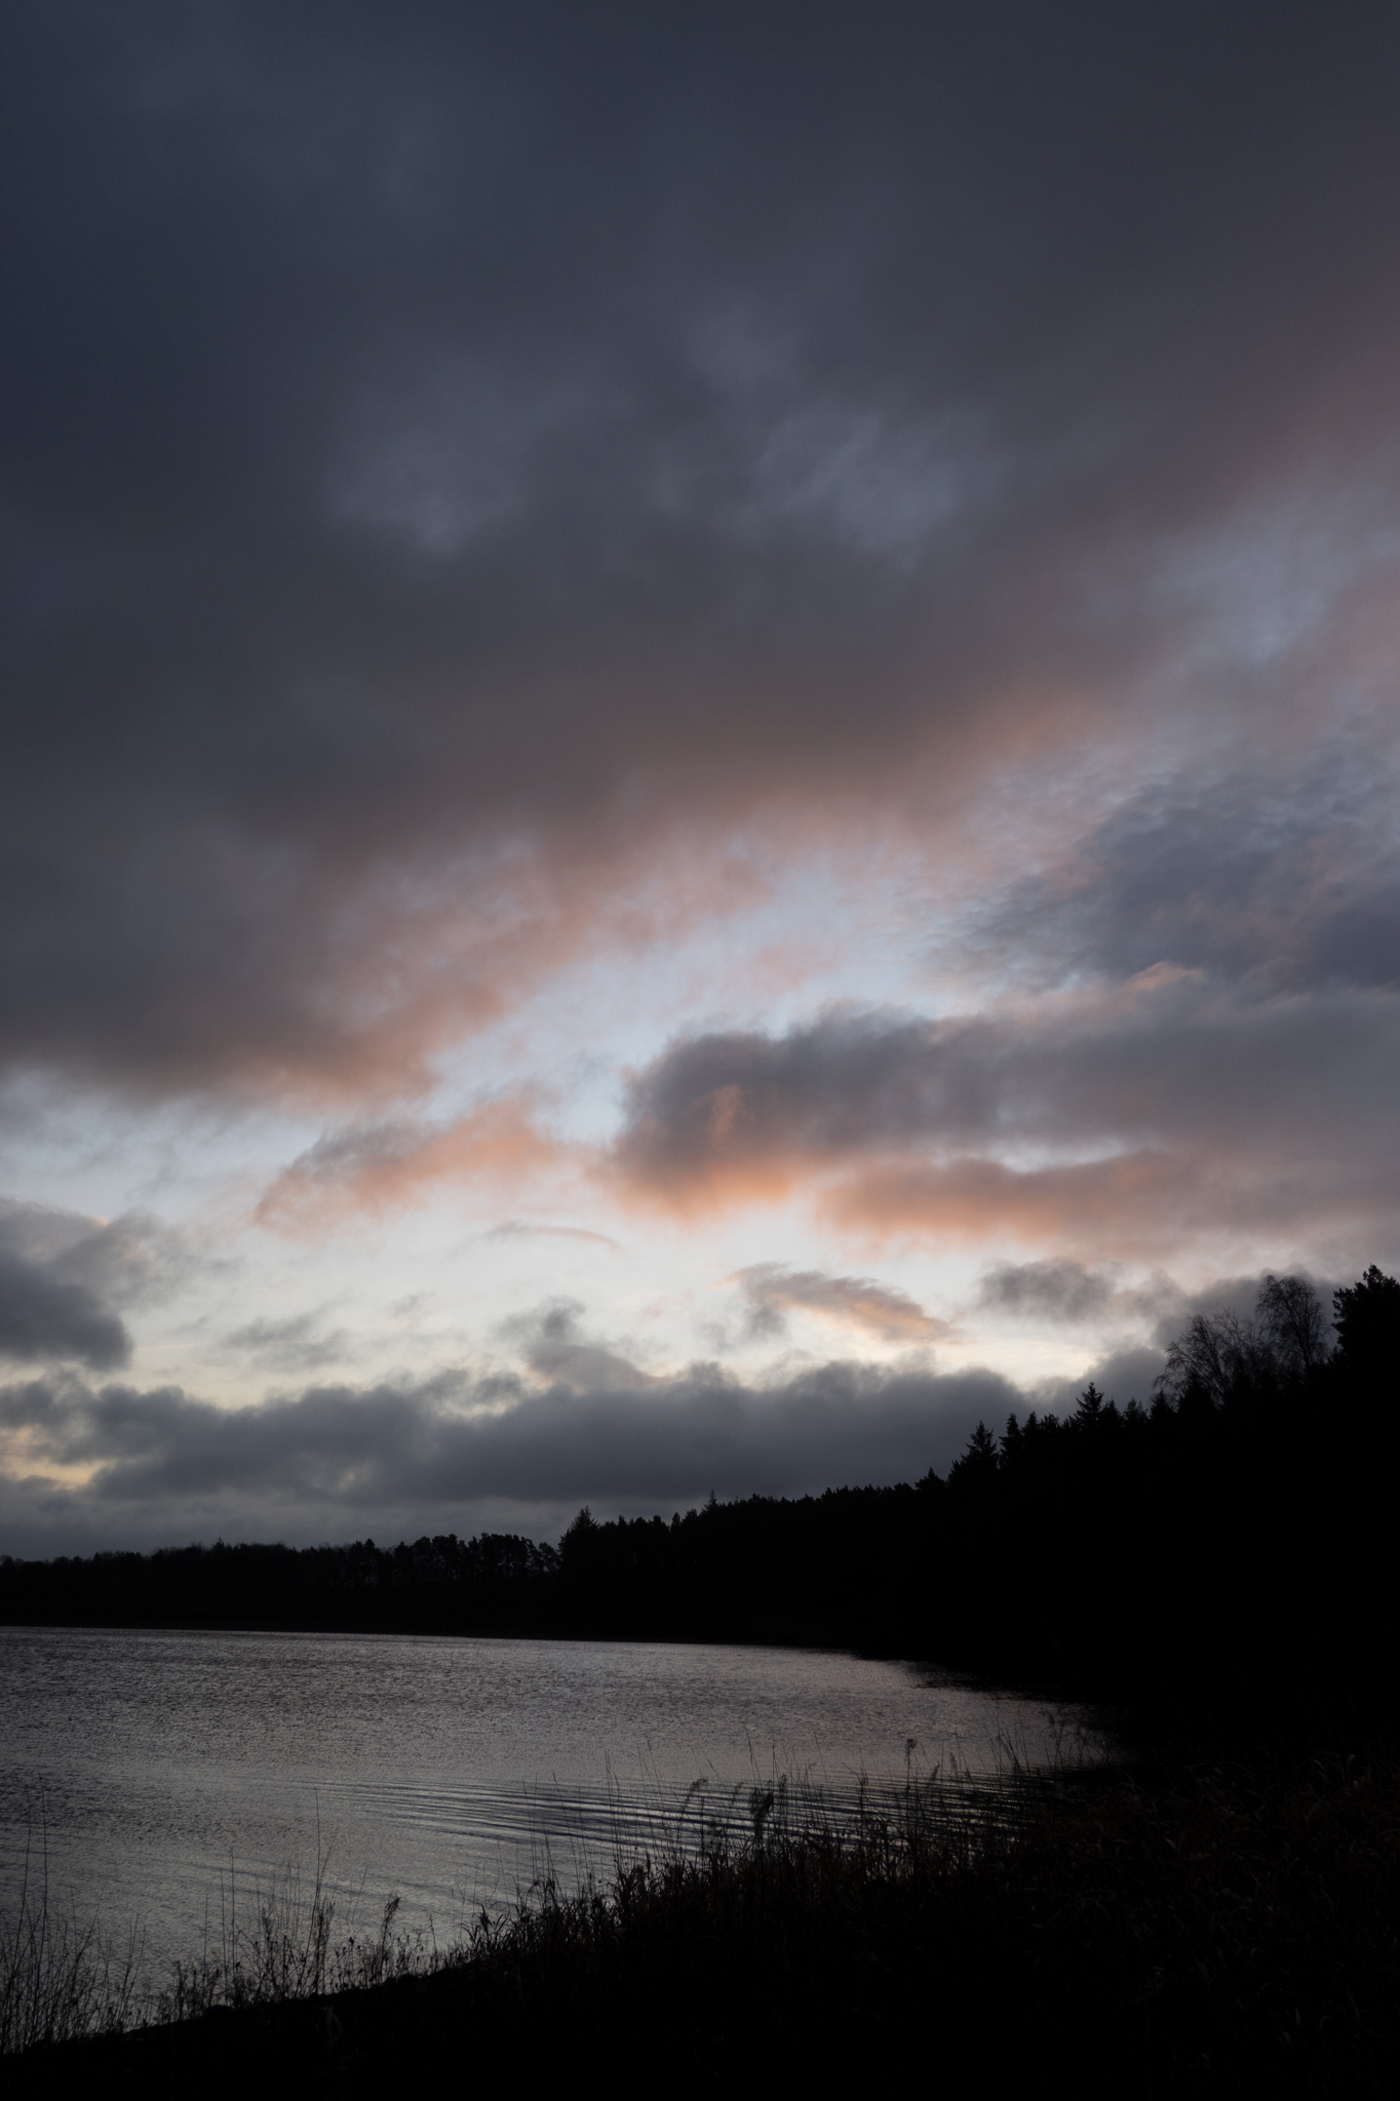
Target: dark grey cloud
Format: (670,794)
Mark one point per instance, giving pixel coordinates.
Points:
(63,1277)
(550,1339)
(843,1084)
(297,1344)
(427,430)
(771,1290)
(125,1261)
(1061,1291)
(1290,886)
(42,1317)
(425,1455)
(1048,1290)
(1174,1093)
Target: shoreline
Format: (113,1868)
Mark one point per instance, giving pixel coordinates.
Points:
(1178,1929)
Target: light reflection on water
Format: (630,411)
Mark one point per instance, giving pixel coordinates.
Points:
(158,1777)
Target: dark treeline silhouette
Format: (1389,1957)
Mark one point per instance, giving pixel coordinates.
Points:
(1225,1550)
(495,1584)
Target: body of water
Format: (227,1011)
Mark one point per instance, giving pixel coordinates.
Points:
(159,1779)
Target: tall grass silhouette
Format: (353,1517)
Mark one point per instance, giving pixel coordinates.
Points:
(58,1976)
(287,1937)
(1173,1929)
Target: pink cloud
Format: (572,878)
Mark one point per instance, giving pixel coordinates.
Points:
(386,1167)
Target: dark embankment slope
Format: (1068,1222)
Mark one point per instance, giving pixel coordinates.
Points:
(1214,1934)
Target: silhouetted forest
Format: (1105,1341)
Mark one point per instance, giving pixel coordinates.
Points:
(1224,1551)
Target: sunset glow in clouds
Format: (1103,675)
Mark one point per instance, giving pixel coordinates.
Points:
(700,737)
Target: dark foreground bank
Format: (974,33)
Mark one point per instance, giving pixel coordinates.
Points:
(1216,1931)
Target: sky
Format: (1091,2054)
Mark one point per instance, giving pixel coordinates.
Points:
(700,754)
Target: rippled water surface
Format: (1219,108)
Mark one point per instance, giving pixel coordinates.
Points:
(159,1777)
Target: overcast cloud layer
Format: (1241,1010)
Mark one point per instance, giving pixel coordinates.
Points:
(434,1457)
(755,647)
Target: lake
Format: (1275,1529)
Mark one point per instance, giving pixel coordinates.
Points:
(155,1779)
